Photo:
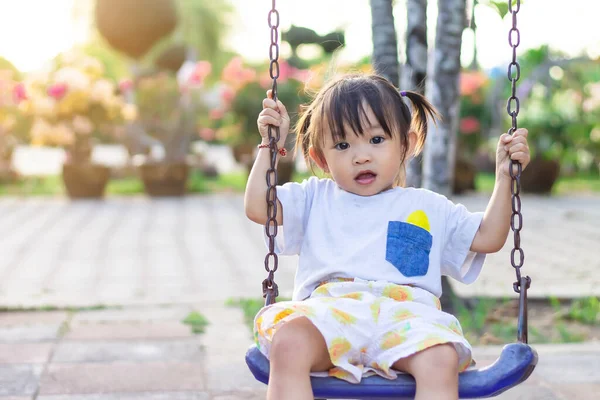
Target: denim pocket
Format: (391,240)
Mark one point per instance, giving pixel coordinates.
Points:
(408,248)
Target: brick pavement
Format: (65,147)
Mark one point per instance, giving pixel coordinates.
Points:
(142,251)
(156,260)
(145,352)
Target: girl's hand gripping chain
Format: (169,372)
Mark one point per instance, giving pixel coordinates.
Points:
(273,114)
(513,147)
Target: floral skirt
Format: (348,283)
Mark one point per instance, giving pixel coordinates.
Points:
(367,325)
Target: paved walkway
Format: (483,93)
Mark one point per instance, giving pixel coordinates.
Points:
(147,353)
(127,251)
(159,259)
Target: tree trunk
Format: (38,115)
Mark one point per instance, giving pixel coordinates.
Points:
(385,44)
(439,157)
(415,69)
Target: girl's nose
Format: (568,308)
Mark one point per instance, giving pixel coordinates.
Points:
(361,158)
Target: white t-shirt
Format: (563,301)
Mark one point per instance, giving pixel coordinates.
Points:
(402,235)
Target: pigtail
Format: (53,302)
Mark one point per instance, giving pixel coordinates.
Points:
(302,135)
(422,111)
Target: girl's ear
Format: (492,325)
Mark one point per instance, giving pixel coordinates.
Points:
(318,159)
(413,139)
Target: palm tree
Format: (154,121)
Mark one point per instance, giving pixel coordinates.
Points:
(385,44)
(439,155)
(415,68)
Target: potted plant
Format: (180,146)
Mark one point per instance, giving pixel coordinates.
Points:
(243,91)
(12,93)
(74,106)
(167,108)
(563,119)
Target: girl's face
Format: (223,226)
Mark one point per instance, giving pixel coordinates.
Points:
(362,164)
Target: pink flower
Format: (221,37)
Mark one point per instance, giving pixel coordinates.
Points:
(19,93)
(201,71)
(206,134)
(469,125)
(471,82)
(227,94)
(235,73)
(216,113)
(58,90)
(125,85)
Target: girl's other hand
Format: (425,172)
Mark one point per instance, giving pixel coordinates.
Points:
(512,147)
(273,114)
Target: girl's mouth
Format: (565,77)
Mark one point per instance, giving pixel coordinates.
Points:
(365,177)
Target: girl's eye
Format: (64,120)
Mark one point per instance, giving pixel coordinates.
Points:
(342,146)
(377,140)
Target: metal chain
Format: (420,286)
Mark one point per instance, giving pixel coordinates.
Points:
(516,222)
(269,287)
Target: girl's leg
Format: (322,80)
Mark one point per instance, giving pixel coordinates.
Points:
(297,349)
(435,370)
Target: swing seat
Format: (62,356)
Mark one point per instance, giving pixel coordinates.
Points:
(515,364)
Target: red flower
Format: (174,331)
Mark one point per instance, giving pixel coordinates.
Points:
(469,125)
(125,85)
(19,93)
(58,90)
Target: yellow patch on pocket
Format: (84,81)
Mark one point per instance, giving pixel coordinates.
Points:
(338,348)
(419,218)
(397,293)
(391,340)
(281,315)
(343,317)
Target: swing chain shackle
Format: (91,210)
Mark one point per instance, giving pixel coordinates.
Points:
(516,221)
(269,287)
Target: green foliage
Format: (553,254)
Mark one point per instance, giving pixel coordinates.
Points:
(7,65)
(250,307)
(115,65)
(563,108)
(586,310)
(202,26)
(196,321)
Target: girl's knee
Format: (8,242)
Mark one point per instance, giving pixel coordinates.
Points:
(445,357)
(440,360)
(437,361)
(297,342)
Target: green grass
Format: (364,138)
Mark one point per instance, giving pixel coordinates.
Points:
(236,182)
(196,321)
(250,307)
(34,186)
(488,320)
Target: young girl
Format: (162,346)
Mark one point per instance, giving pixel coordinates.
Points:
(371,252)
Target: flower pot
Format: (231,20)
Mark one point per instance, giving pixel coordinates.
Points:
(85,181)
(540,176)
(164,179)
(464,176)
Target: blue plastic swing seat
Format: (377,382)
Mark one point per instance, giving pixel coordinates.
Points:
(515,364)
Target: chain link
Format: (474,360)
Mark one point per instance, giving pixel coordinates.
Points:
(517,255)
(269,287)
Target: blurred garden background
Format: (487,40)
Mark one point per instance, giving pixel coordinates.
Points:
(160,97)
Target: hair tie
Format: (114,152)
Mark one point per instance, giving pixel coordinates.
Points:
(403,93)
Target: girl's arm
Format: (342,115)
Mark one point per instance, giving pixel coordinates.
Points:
(493,231)
(255,197)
